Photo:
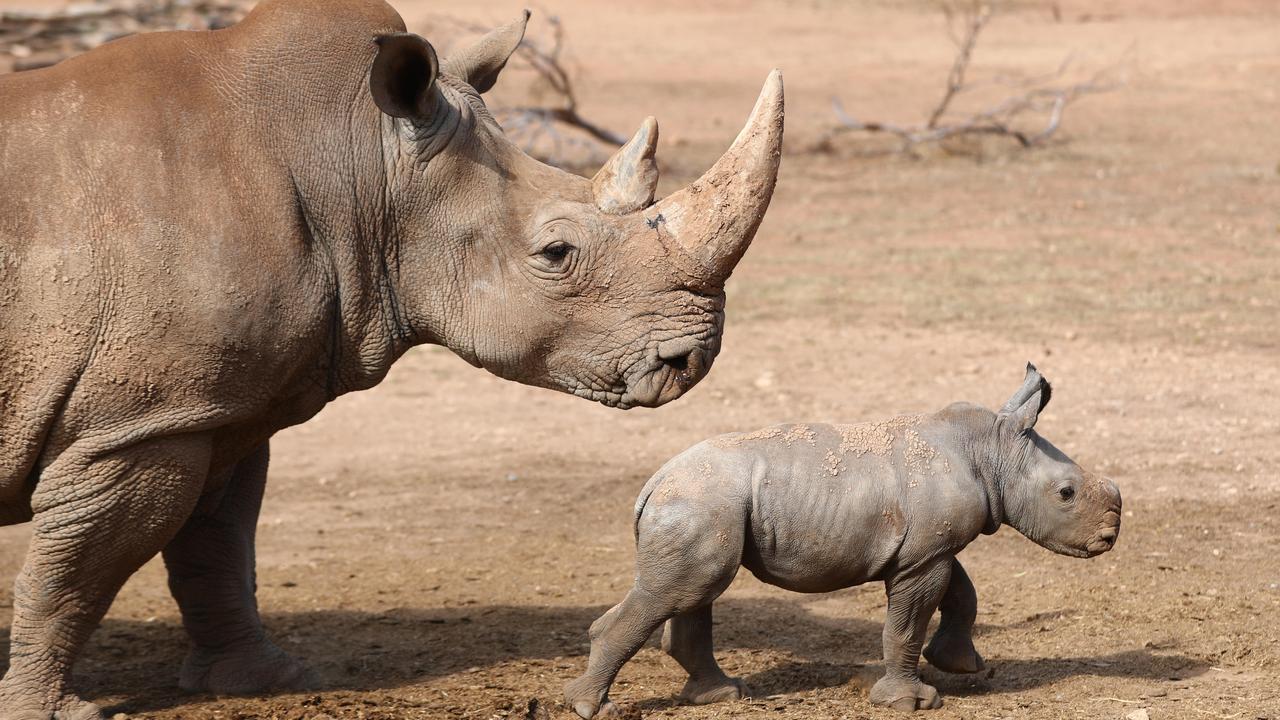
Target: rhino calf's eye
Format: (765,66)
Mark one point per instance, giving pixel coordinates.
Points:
(1067,493)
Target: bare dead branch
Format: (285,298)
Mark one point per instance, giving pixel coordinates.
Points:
(546,63)
(32,39)
(1042,95)
(976,17)
(35,39)
(530,125)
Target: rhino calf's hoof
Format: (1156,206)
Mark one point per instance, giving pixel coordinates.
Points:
(719,690)
(588,710)
(588,700)
(905,695)
(954,654)
(245,671)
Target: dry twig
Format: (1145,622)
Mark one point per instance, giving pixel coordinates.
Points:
(538,126)
(30,39)
(1041,95)
(33,39)
(530,124)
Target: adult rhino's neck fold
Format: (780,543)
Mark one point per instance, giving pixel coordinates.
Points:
(299,71)
(365,331)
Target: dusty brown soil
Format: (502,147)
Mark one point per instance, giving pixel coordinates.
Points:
(437,547)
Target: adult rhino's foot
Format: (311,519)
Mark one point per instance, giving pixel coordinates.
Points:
(954,653)
(721,689)
(906,695)
(588,700)
(250,670)
(17,703)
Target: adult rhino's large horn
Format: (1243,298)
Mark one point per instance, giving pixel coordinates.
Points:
(715,218)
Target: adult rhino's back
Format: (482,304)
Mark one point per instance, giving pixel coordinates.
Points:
(148,237)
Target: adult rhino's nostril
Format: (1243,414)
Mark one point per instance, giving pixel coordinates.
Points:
(675,354)
(679,362)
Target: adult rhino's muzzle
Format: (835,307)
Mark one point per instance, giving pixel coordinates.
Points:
(671,368)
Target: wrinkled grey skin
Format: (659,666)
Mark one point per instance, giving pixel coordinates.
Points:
(207,236)
(816,508)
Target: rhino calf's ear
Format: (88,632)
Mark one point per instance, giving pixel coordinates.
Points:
(1023,409)
(403,75)
(480,64)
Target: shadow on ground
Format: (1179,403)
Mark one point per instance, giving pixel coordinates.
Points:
(364,651)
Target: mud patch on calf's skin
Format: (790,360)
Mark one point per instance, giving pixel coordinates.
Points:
(788,434)
(832,463)
(893,517)
(919,456)
(797,433)
(875,438)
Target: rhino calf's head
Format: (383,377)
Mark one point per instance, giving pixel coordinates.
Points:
(547,278)
(1046,496)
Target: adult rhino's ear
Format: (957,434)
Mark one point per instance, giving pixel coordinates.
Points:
(1022,410)
(480,64)
(403,76)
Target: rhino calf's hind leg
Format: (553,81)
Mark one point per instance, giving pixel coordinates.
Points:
(951,649)
(97,519)
(684,559)
(687,638)
(211,575)
(615,638)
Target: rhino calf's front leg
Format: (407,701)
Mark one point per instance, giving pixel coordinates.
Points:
(913,596)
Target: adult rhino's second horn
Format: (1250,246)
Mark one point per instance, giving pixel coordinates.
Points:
(715,218)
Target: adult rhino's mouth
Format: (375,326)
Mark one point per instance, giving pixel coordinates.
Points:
(671,369)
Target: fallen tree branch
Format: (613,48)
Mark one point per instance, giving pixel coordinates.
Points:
(1041,97)
(33,39)
(538,127)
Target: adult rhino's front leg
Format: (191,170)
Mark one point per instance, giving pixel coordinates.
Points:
(951,648)
(211,575)
(97,519)
(913,597)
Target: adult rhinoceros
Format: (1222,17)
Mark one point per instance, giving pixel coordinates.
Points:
(206,236)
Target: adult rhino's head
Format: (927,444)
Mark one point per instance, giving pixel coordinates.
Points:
(544,277)
(1046,496)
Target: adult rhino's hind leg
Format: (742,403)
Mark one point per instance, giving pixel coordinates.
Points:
(97,519)
(912,599)
(687,638)
(211,575)
(951,649)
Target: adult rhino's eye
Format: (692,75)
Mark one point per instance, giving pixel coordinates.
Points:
(1066,493)
(556,252)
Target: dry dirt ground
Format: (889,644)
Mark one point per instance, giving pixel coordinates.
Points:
(437,547)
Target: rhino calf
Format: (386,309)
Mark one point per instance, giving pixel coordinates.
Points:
(816,508)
